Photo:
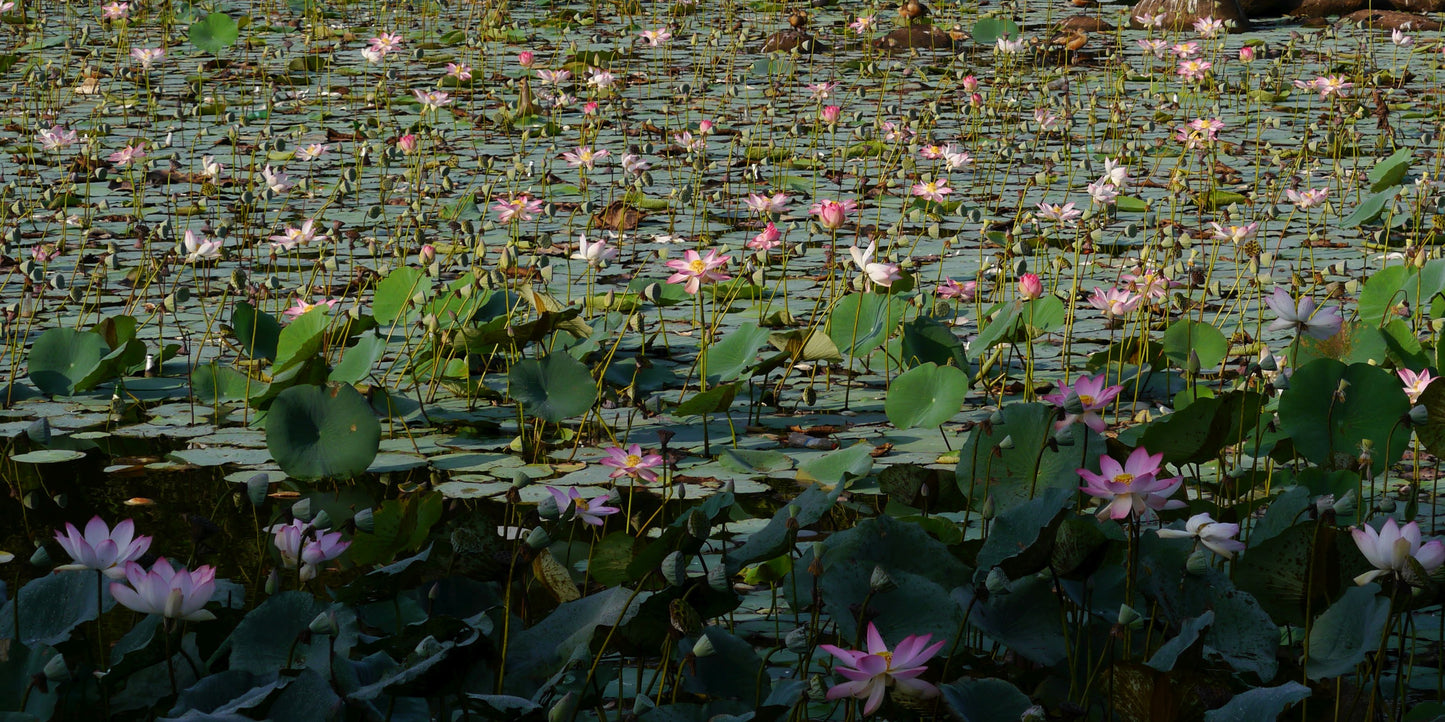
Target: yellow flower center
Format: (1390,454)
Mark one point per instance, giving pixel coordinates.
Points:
(887,657)
(1125,479)
(581,504)
(633,459)
(697,266)
(1087,400)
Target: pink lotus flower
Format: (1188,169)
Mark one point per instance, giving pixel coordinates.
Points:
(871,673)
(293,237)
(302,307)
(862,24)
(147,56)
(950,288)
(696,270)
(936,190)
(526,58)
(277,182)
(1194,69)
(634,164)
(656,38)
(128,155)
(600,79)
(590,511)
(1415,383)
(199,248)
(1234,234)
(1246,54)
(385,43)
(1061,214)
(1326,86)
(212,168)
(584,157)
(1148,283)
(407,143)
(1131,487)
(1321,324)
(1083,401)
(1208,27)
(1103,193)
(311,152)
(432,99)
(1153,46)
(57,138)
(171,593)
(520,207)
(821,91)
(1030,286)
(1215,536)
(883,274)
(101,548)
(1391,548)
(114,11)
(1199,132)
(300,543)
(1308,199)
(1114,302)
(461,71)
(766,240)
(1185,50)
(762,203)
(595,253)
(631,462)
(554,77)
(969,84)
(830,113)
(830,214)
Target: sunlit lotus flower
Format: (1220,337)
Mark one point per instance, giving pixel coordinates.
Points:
(1208,27)
(1234,234)
(595,253)
(293,237)
(1308,199)
(1114,302)
(147,56)
(432,99)
(1148,283)
(1199,132)
(171,593)
(883,274)
(1151,21)
(687,141)
(407,143)
(1030,286)
(304,545)
(1400,39)
(526,59)
(1131,487)
(372,55)
(931,151)
(1062,214)
(1415,383)
(821,91)
(200,248)
(277,181)
(302,307)
(589,511)
(427,255)
(634,164)
(936,190)
(57,138)
(1047,120)
(590,108)
(385,43)
(656,38)
(461,71)
(1246,54)
(1328,86)
(949,288)
(1194,69)
(1321,324)
(956,159)
(128,155)
(1186,50)
(631,462)
(762,204)
(1005,46)
(114,11)
(44,253)
(1083,401)
(102,548)
(895,132)
(871,673)
(584,157)
(704,127)
(554,77)
(766,240)
(831,214)
(862,24)
(830,113)
(1103,193)
(519,207)
(1153,46)
(1217,537)
(1391,548)
(694,269)
(600,79)
(311,151)
(212,168)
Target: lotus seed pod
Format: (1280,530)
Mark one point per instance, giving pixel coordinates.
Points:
(302,509)
(56,669)
(997,581)
(1386,505)
(698,525)
(1347,504)
(674,569)
(1419,415)
(324,623)
(273,582)
(322,520)
(1199,562)
(365,521)
(717,579)
(798,640)
(1130,617)
(538,538)
(256,488)
(880,581)
(41,559)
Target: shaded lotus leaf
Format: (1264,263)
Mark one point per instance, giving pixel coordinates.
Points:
(317,432)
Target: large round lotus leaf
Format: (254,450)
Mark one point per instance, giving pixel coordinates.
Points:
(215,33)
(1330,410)
(926,396)
(553,389)
(62,357)
(317,432)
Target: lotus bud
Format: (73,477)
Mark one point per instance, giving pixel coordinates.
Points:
(1130,617)
(538,538)
(426,255)
(323,624)
(990,508)
(365,521)
(1280,382)
(703,647)
(39,432)
(997,581)
(1193,366)
(548,508)
(1036,713)
(56,669)
(880,581)
(1267,362)
(1198,563)
(797,641)
(520,480)
(1419,415)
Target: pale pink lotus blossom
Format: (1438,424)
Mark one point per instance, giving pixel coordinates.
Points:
(936,190)
(830,113)
(1083,401)
(519,207)
(114,11)
(57,138)
(1114,302)
(128,155)
(870,674)
(695,269)
(432,99)
(1392,547)
(385,43)
(102,548)
(1030,286)
(302,307)
(310,152)
(305,546)
(461,71)
(293,237)
(171,593)
(1132,487)
(1215,536)
(585,156)
(595,253)
(588,511)
(147,56)
(762,203)
(656,38)
(631,461)
(767,239)
(883,274)
(1307,199)
(1415,383)
(831,214)
(949,288)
